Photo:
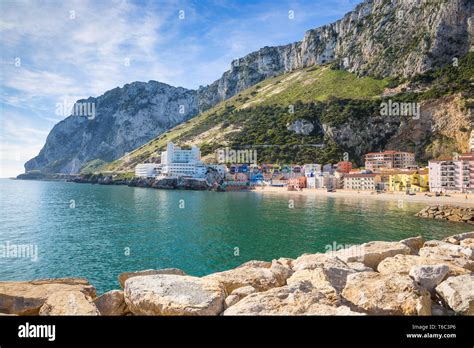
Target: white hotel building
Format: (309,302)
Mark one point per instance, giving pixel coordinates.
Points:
(178,162)
(147,170)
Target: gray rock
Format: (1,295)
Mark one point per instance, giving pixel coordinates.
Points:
(414,243)
(458,293)
(126,275)
(372,253)
(429,276)
(301,127)
(166,294)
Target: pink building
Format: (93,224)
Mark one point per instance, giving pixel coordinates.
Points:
(452,174)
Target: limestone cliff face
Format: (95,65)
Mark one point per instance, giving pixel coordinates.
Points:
(379,38)
(125,118)
(442,129)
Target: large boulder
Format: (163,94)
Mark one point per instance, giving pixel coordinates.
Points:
(26,298)
(313,261)
(261,278)
(359,267)
(390,294)
(456,255)
(414,243)
(321,267)
(297,299)
(429,276)
(372,253)
(112,303)
(166,294)
(403,264)
(458,293)
(126,275)
(256,263)
(450,248)
(398,264)
(319,281)
(68,303)
(239,294)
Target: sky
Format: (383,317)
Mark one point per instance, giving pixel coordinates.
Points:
(55,52)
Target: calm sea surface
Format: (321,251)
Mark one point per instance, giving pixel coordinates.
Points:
(113,229)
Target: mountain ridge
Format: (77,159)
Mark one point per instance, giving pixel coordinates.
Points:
(368,41)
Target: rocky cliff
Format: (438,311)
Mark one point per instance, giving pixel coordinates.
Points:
(124,119)
(379,38)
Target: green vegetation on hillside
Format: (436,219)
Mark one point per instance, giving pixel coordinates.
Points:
(321,95)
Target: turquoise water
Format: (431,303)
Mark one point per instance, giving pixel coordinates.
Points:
(91,239)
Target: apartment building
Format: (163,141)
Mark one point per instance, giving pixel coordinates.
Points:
(452,174)
(362,182)
(375,161)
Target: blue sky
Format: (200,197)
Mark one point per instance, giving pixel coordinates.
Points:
(59,51)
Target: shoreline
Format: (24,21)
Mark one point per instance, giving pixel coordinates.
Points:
(454,198)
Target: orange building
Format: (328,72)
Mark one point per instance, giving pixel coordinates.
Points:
(344,167)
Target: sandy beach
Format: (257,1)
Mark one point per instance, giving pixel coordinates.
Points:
(454,198)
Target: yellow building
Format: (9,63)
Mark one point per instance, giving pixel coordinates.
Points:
(412,181)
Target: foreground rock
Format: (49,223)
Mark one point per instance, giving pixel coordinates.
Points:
(458,293)
(318,268)
(239,294)
(414,243)
(429,276)
(26,298)
(112,303)
(391,294)
(450,255)
(68,303)
(166,294)
(126,275)
(403,264)
(260,278)
(448,248)
(297,299)
(372,253)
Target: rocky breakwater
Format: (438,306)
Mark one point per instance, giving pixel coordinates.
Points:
(408,277)
(448,212)
(212,181)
